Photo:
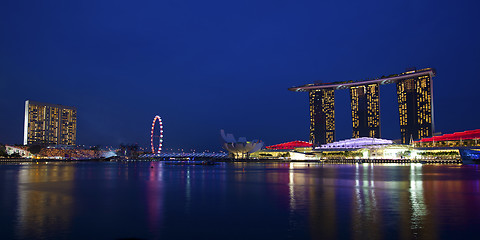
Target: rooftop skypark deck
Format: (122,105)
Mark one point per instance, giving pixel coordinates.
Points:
(394,78)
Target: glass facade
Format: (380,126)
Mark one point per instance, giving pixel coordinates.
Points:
(49,124)
(365,105)
(322,116)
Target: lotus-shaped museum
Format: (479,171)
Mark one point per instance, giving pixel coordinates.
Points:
(240,148)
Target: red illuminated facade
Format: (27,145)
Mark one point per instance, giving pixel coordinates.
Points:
(289,145)
(466,135)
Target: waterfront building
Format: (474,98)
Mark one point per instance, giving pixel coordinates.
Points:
(365,103)
(415,107)
(290,145)
(322,116)
(469,138)
(21,150)
(274,154)
(69,153)
(49,124)
(373,150)
(415,104)
(239,148)
(356,143)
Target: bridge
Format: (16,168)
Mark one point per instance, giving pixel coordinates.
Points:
(184,155)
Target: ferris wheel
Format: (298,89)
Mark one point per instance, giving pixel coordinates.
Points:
(159,134)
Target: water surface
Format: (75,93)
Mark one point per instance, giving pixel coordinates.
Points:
(153,200)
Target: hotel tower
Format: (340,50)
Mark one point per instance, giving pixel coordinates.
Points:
(415,106)
(49,124)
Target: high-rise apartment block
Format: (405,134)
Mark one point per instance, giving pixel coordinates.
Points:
(415,106)
(49,124)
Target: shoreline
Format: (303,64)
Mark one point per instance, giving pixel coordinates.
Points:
(231,160)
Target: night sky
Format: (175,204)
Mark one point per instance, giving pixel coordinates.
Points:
(207,65)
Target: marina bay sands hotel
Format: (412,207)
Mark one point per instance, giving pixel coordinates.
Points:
(415,106)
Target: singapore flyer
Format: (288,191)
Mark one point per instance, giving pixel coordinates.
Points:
(157,134)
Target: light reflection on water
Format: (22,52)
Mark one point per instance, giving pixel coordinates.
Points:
(41,208)
(152,200)
(419,209)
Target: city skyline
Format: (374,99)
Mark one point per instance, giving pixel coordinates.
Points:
(213,65)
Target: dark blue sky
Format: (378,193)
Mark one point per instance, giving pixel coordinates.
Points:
(208,65)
